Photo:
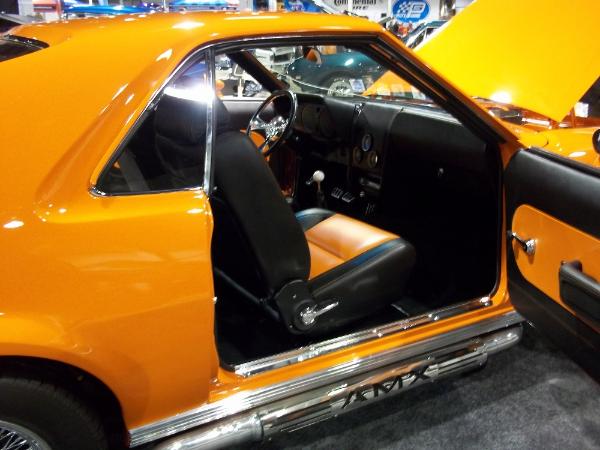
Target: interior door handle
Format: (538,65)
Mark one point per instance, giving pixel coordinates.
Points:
(573,272)
(528,245)
(578,290)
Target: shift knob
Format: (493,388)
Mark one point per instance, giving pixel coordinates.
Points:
(318,176)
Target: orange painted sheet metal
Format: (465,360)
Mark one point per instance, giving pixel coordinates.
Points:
(119,287)
(389,84)
(556,242)
(575,143)
(539,55)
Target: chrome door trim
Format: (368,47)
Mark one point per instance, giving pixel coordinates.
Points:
(210,122)
(331,345)
(249,399)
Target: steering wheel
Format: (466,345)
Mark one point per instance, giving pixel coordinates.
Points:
(280,127)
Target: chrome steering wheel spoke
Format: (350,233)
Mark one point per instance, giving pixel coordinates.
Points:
(258,124)
(276,130)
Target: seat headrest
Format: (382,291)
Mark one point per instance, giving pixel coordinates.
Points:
(184,120)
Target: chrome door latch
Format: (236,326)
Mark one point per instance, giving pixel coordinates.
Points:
(528,245)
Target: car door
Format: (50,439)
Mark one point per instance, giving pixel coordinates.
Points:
(553,220)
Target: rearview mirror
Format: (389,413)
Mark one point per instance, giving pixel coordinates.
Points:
(596,140)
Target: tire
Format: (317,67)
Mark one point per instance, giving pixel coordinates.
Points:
(46,417)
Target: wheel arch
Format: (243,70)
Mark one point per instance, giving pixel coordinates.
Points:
(86,387)
(338,72)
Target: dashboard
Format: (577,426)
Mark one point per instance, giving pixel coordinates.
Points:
(346,131)
(358,144)
(346,138)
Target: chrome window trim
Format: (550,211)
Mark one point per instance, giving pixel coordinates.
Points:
(154,99)
(360,337)
(245,400)
(210,122)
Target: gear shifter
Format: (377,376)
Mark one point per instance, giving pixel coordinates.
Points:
(318,178)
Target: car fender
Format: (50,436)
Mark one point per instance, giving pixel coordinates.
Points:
(45,338)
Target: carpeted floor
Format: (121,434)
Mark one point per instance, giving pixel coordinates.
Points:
(528,397)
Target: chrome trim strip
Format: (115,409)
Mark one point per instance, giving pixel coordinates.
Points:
(246,400)
(352,392)
(335,344)
(210,122)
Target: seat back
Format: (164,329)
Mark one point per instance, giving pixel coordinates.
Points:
(180,135)
(256,232)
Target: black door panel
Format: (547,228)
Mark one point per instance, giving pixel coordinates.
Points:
(567,190)
(568,194)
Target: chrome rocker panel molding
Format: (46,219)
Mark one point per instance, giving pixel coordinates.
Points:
(350,392)
(332,345)
(431,355)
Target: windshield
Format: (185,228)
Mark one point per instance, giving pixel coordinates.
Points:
(330,70)
(339,71)
(336,70)
(585,113)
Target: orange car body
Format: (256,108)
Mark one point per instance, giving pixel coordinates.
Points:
(121,287)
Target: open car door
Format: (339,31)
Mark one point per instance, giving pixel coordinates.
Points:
(553,217)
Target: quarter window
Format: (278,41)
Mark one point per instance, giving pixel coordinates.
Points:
(167,150)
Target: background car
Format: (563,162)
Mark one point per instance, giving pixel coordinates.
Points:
(77,8)
(338,65)
(70,8)
(203,5)
(337,72)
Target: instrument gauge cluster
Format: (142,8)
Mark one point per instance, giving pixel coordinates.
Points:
(365,154)
(366,143)
(372,160)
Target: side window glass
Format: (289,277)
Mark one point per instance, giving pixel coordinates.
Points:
(339,71)
(166,152)
(233,82)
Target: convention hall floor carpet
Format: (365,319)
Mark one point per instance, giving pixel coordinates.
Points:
(528,397)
